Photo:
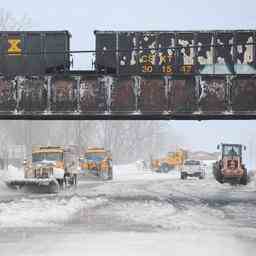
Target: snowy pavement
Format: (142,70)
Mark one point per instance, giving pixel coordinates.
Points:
(138,213)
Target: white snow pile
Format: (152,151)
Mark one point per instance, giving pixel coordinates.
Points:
(167,216)
(134,171)
(13,173)
(43,212)
(2,185)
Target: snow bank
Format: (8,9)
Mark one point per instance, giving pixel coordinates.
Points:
(42,212)
(13,173)
(135,172)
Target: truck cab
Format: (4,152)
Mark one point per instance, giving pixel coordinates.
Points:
(96,162)
(193,168)
(52,162)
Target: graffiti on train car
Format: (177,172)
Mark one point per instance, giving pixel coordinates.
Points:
(212,94)
(124,95)
(33,94)
(182,95)
(244,94)
(153,95)
(8,94)
(177,52)
(64,93)
(93,95)
(128,95)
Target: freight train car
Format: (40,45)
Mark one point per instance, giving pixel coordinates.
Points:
(34,52)
(176,52)
(137,75)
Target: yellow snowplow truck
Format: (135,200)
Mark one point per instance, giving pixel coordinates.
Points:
(173,160)
(96,162)
(50,169)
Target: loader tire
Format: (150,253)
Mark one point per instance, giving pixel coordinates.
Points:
(244,179)
(217,173)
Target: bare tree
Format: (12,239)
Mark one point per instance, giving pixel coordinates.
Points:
(9,134)
(9,22)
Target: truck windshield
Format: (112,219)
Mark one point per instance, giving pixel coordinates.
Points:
(94,157)
(230,150)
(48,156)
(192,162)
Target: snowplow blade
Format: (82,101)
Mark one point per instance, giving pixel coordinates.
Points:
(36,185)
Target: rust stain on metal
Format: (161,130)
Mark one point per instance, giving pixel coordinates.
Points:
(64,94)
(182,95)
(244,94)
(8,94)
(92,95)
(123,95)
(152,95)
(212,93)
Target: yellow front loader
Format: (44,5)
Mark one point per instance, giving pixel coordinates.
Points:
(173,160)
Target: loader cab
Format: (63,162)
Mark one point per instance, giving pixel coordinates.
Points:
(231,150)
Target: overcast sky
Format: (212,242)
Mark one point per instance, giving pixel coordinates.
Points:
(82,17)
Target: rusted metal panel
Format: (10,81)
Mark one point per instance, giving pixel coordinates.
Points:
(8,94)
(213,94)
(34,52)
(124,95)
(224,53)
(185,53)
(204,42)
(106,45)
(33,94)
(178,52)
(166,62)
(245,61)
(244,94)
(152,96)
(245,47)
(128,55)
(182,95)
(63,93)
(224,49)
(93,94)
(147,44)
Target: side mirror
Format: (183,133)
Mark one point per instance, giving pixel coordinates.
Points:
(218,147)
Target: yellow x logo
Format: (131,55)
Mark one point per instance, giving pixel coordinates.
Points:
(14,47)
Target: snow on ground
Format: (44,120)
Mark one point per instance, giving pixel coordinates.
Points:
(135,172)
(129,244)
(138,213)
(13,173)
(42,212)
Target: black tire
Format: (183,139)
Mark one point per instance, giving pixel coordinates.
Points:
(183,176)
(244,179)
(61,183)
(217,173)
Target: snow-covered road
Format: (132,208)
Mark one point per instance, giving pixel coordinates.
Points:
(138,213)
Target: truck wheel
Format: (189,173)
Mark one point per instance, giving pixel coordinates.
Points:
(183,176)
(61,183)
